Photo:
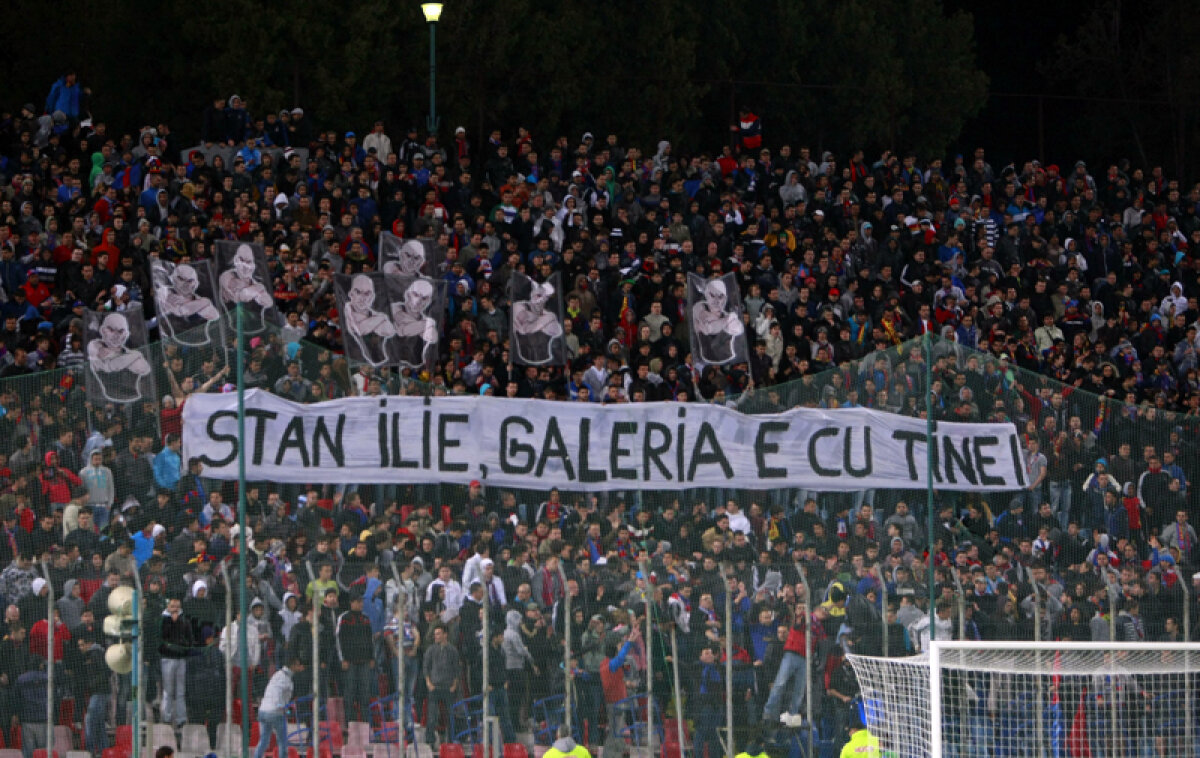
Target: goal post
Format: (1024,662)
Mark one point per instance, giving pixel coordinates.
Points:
(1038,699)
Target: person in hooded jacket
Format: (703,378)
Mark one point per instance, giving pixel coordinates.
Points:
(516,656)
(70,605)
(565,745)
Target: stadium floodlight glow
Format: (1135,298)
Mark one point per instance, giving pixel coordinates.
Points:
(432,11)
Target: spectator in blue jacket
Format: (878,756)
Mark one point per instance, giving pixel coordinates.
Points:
(65,95)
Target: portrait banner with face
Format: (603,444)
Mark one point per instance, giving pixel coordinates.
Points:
(714,309)
(365,318)
(417,305)
(412,257)
(537,321)
(243,277)
(118,369)
(185,302)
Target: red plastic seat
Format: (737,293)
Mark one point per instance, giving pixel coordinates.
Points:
(331,734)
(41,753)
(115,752)
(124,738)
(515,750)
(335,711)
(671,749)
(66,712)
(451,750)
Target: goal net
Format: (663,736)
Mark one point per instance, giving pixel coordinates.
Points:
(1035,699)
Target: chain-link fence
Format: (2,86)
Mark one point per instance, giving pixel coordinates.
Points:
(631,619)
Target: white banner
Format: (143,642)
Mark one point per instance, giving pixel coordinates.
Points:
(539,444)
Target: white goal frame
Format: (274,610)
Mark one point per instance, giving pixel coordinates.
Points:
(943,656)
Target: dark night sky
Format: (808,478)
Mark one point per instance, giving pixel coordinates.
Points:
(1011,39)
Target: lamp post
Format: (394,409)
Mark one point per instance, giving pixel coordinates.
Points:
(433,12)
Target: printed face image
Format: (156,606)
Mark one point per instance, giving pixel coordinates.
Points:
(714,295)
(243,262)
(185,281)
(114,332)
(362,292)
(418,296)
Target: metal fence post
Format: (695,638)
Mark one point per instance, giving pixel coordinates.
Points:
(401,610)
(50,699)
(883,597)
(648,596)
(228,663)
(316,669)
(808,617)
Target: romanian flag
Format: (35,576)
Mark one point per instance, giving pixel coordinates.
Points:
(1101,418)
(628,321)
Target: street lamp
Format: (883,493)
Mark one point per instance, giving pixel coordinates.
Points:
(432,11)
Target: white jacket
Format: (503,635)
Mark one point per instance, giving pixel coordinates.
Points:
(279,692)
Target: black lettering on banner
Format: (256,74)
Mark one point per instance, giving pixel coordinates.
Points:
(815,465)
(982,461)
(847,464)
(293,437)
(910,440)
(382,431)
(708,438)
(679,438)
(397,449)
(553,446)
(331,442)
(586,472)
(217,437)
(653,452)
(616,452)
(261,418)
(937,463)
(763,448)
(445,442)
(510,448)
(1018,460)
(962,460)
(426,425)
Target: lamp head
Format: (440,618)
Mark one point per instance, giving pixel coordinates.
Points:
(432,11)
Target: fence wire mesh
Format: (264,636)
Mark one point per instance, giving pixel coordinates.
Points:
(1100,548)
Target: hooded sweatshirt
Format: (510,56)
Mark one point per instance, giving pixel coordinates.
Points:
(566,746)
(515,653)
(1175,298)
(70,608)
(288,617)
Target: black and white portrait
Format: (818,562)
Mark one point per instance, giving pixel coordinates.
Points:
(244,279)
(537,331)
(405,257)
(367,326)
(715,307)
(118,371)
(184,299)
(416,305)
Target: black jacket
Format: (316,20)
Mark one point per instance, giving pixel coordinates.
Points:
(177,638)
(354,639)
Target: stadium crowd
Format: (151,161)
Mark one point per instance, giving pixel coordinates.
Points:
(1047,289)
